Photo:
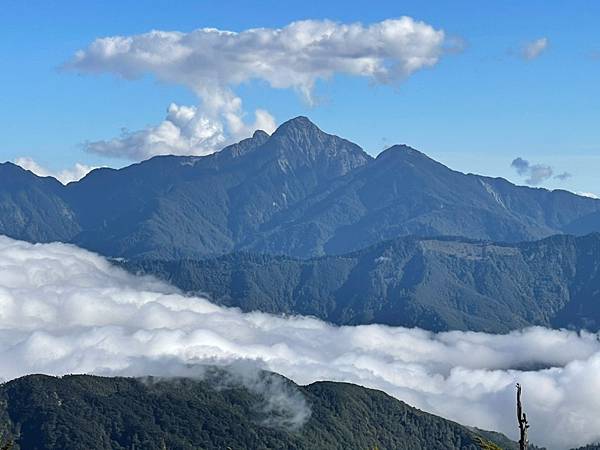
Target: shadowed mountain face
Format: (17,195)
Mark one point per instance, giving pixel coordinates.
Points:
(33,208)
(300,192)
(403,192)
(84,412)
(436,284)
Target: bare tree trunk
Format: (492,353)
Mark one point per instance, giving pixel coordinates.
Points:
(523,424)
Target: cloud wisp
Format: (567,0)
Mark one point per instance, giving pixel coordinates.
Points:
(589,195)
(65,310)
(214,62)
(532,50)
(536,174)
(65,176)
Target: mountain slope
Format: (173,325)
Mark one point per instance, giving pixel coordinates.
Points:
(436,284)
(181,206)
(403,192)
(76,412)
(300,192)
(33,208)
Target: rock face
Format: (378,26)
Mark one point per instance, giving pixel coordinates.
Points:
(84,412)
(300,192)
(436,284)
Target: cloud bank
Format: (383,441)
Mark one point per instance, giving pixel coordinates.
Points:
(65,176)
(65,310)
(531,50)
(214,62)
(536,174)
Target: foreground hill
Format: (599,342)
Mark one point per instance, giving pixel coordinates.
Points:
(436,284)
(299,192)
(77,412)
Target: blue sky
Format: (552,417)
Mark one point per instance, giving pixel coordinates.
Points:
(475,110)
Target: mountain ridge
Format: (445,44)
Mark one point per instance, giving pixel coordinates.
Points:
(437,284)
(82,411)
(299,192)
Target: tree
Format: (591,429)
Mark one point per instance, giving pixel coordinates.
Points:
(522,419)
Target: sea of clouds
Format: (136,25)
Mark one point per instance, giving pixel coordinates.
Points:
(66,310)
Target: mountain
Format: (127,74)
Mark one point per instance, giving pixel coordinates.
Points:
(76,412)
(433,283)
(404,192)
(182,206)
(33,208)
(299,192)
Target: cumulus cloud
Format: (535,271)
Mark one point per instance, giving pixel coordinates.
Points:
(214,62)
(536,174)
(185,131)
(65,310)
(291,57)
(65,176)
(531,50)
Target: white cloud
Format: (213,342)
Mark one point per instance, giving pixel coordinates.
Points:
(65,176)
(588,194)
(533,49)
(185,131)
(213,62)
(291,57)
(65,310)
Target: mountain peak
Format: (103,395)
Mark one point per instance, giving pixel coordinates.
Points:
(405,153)
(8,165)
(260,134)
(259,137)
(301,143)
(12,172)
(401,149)
(298,126)
(299,121)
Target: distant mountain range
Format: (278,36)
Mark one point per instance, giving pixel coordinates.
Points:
(85,412)
(299,192)
(343,224)
(302,222)
(436,284)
